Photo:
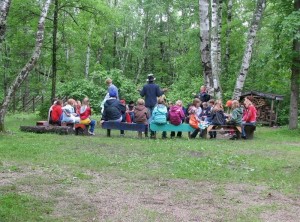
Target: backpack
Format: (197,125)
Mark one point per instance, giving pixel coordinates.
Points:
(174,115)
(159,117)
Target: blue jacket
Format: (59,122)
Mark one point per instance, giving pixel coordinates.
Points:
(151,91)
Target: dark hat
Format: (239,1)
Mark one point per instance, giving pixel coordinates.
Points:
(150,78)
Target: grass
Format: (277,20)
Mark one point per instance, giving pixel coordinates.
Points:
(271,160)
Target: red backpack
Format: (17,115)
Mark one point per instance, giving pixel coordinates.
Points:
(175,115)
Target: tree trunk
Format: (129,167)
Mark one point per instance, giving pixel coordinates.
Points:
(295,78)
(54,49)
(4,9)
(204,43)
(228,32)
(88,52)
(260,7)
(215,51)
(27,68)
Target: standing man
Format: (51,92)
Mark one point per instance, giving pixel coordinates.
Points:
(151,91)
(112,87)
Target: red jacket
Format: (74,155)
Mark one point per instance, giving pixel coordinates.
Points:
(86,114)
(56,113)
(249,115)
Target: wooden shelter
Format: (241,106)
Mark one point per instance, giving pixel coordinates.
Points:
(267,106)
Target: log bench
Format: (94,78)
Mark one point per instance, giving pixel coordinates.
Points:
(168,127)
(124,126)
(81,129)
(62,130)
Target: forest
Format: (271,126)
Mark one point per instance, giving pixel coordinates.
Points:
(67,48)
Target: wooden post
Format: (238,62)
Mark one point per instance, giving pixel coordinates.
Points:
(14,102)
(271,113)
(108,133)
(276,113)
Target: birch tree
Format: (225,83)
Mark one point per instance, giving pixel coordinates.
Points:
(28,66)
(4,9)
(228,31)
(215,48)
(295,78)
(204,42)
(257,16)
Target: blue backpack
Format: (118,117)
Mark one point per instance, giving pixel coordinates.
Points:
(159,115)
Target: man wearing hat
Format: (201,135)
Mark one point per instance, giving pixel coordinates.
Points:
(151,91)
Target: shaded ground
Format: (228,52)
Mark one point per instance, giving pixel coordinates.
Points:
(92,196)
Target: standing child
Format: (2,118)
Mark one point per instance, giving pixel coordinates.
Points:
(176,115)
(141,114)
(85,115)
(194,121)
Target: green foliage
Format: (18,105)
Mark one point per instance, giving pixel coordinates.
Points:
(43,110)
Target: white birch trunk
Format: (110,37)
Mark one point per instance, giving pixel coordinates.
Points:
(257,16)
(228,32)
(88,53)
(4,9)
(28,67)
(204,43)
(215,51)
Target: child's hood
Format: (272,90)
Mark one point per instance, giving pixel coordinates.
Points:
(161,108)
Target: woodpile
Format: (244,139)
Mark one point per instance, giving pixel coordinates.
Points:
(62,130)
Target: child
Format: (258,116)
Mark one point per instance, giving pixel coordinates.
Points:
(159,114)
(130,110)
(69,115)
(141,114)
(85,115)
(176,115)
(236,116)
(56,113)
(194,121)
(249,116)
(217,117)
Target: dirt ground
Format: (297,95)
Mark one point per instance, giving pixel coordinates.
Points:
(112,197)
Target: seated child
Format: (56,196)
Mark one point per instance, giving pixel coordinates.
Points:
(130,110)
(85,115)
(141,114)
(217,117)
(176,116)
(56,113)
(69,115)
(159,114)
(235,118)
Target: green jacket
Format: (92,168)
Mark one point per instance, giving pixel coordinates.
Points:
(237,115)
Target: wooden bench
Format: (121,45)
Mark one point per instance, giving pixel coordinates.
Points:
(249,130)
(224,129)
(42,123)
(81,129)
(184,127)
(124,126)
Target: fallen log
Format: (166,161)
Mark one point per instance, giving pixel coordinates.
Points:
(62,130)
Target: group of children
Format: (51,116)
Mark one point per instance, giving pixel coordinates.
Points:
(71,112)
(198,114)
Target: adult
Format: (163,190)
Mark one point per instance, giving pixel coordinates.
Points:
(249,116)
(203,95)
(113,109)
(112,87)
(151,91)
